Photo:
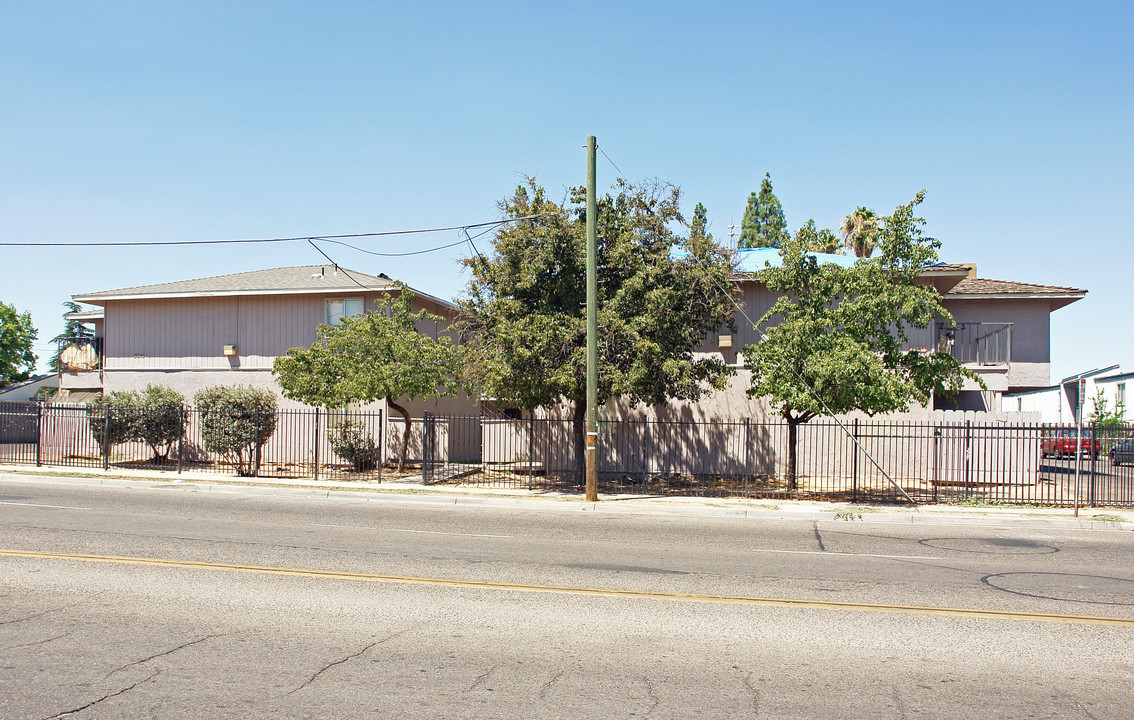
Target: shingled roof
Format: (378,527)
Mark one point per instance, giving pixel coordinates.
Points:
(302,279)
(986,286)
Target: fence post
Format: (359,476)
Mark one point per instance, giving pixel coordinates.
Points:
(968,456)
(381,444)
(106,438)
(747,453)
(531,449)
(316,444)
(39,435)
(854,464)
(180,435)
(256,452)
(936,460)
(1094,436)
(426,450)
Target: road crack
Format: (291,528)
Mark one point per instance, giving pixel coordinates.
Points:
(342,660)
(38,642)
(898,702)
(818,537)
(755,693)
(161,654)
(92,703)
(482,677)
(547,685)
(653,696)
(33,617)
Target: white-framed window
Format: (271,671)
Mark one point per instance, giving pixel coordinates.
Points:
(1120,394)
(339,308)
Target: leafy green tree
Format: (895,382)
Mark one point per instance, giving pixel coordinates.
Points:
(379,354)
(160,419)
(111,417)
(237,422)
(822,240)
(834,339)
(1102,416)
(698,225)
(17,334)
(860,231)
(525,305)
(73,329)
(763,224)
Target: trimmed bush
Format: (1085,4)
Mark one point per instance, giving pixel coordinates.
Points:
(236,422)
(160,419)
(111,419)
(351,441)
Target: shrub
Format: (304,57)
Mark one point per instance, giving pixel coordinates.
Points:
(160,420)
(236,422)
(111,419)
(351,441)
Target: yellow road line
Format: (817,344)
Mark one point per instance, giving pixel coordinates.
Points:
(596,592)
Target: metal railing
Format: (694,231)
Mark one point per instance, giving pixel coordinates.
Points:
(80,352)
(932,462)
(976,343)
(288,443)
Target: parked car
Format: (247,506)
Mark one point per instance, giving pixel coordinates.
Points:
(1122,452)
(1061,443)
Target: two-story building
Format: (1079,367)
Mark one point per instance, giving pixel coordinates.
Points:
(223,330)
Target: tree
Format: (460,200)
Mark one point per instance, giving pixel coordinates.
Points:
(860,231)
(111,419)
(821,240)
(17,361)
(237,422)
(1102,416)
(525,305)
(698,225)
(763,224)
(378,354)
(160,419)
(73,329)
(834,337)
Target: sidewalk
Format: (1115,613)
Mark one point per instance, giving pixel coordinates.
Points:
(411,489)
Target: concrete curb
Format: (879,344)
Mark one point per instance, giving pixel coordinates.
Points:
(415,492)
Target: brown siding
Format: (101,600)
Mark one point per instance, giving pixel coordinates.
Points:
(190,333)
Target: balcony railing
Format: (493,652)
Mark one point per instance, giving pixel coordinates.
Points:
(976,343)
(81,352)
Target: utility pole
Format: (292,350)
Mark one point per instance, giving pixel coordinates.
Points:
(732,234)
(592,331)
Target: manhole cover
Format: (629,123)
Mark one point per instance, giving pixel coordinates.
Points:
(1071,587)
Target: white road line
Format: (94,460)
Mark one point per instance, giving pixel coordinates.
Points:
(420,532)
(55,507)
(821,552)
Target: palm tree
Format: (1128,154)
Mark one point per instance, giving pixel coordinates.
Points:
(860,231)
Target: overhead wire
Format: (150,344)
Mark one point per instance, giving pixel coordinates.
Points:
(299,238)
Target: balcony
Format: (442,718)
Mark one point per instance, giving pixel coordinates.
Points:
(80,363)
(976,343)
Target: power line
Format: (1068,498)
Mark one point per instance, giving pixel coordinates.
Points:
(620,173)
(151,243)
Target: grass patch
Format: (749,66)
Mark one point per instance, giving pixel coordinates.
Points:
(1108,518)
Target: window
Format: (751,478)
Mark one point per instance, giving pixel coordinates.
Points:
(1120,395)
(343,307)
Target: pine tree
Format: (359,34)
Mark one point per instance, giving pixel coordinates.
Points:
(699,223)
(763,224)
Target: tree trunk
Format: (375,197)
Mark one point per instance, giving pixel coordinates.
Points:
(793,438)
(578,426)
(405,433)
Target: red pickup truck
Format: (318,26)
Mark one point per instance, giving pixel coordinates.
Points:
(1067,442)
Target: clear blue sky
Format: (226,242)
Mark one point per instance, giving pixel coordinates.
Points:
(138,121)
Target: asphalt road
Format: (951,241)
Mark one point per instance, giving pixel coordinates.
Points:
(418,606)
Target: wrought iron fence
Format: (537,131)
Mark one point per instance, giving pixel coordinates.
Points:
(290,443)
(966,462)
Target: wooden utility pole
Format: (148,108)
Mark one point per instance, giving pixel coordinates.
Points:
(592,331)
